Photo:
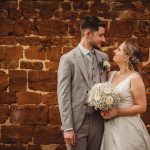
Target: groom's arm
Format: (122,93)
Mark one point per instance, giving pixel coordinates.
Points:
(64,93)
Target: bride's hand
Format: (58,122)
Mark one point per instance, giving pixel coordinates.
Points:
(109,114)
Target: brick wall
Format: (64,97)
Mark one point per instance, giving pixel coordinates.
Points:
(33,36)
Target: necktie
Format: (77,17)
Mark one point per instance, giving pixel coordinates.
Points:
(91,54)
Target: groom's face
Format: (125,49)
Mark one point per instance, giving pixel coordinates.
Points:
(97,38)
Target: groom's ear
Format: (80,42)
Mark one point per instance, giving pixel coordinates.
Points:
(88,32)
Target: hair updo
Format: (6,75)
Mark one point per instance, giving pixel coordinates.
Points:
(132,50)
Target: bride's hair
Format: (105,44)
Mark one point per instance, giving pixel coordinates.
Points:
(132,50)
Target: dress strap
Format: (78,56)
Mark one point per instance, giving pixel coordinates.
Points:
(112,75)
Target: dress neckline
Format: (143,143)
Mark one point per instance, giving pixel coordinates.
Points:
(120,81)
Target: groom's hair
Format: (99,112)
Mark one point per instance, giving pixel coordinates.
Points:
(91,22)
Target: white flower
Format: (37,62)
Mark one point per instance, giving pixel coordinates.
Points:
(109,100)
(103,96)
(106,64)
(107,90)
(97,96)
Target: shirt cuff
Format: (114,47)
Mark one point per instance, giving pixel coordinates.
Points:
(68,129)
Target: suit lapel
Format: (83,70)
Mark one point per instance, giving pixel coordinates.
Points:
(100,57)
(79,59)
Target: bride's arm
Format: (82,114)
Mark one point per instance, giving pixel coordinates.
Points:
(138,92)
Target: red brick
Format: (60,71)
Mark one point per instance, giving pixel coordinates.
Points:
(69,15)
(51,27)
(31,65)
(126,1)
(97,6)
(17,80)
(121,28)
(48,135)
(54,115)
(80,5)
(75,41)
(146,116)
(12,147)
(123,6)
(34,147)
(27,5)
(50,99)
(23,27)
(74,28)
(24,97)
(42,80)
(66,6)
(8,53)
(29,114)
(4,113)
(148,128)
(144,42)
(46,13)
(61,147)
(10,61)
(113,66)
(55,41)
(146,78)
(148,98)
(14,13)
(7,40)
(4,81)
(31,41)
(30,13)
(145,54)
(52,6)
(35,52)
(144,26)
(84,13)
(67,49)
(3,13)
(16,134)
(112,15)
(11,4)
(52,65)
(54,53)
(7,98)
(6,26)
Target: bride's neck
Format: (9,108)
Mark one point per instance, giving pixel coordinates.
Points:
(124,69)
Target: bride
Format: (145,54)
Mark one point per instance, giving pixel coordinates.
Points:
(124,129)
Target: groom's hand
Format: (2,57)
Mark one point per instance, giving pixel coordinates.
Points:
(69,137)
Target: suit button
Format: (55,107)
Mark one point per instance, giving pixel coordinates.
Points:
(87,91)
(93,68)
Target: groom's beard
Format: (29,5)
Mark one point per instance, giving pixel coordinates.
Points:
(95,45)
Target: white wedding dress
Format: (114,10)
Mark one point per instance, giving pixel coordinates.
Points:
(125,133)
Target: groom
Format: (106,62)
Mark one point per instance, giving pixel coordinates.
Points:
(78,71)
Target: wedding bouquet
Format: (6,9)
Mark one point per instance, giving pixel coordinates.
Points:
(103,96)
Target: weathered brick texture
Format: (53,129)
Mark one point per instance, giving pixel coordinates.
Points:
(29,114)
(34,34)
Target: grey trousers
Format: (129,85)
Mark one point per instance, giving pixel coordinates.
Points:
(89,136)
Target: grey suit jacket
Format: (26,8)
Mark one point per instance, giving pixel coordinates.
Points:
(72,87)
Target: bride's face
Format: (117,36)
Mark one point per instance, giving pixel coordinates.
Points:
(119,54)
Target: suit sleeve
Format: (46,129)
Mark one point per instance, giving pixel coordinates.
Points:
(64,93)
